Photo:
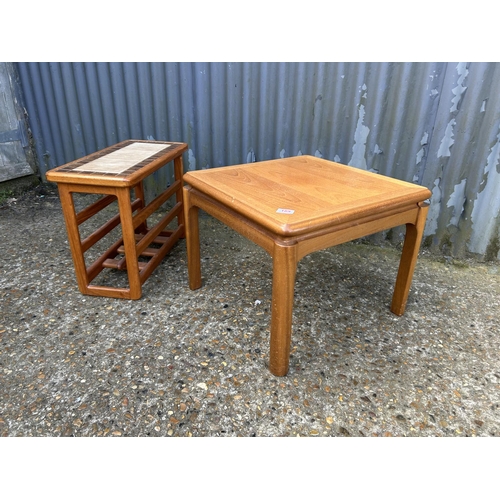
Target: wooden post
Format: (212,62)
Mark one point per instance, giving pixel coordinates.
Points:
(411,247)
(284,271)
(192,240)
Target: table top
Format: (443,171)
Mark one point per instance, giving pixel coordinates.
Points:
(296,195)
(123,164)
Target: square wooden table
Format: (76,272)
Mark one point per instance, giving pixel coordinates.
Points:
(117,172)
(295,206)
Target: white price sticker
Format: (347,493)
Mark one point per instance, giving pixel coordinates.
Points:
(285,211)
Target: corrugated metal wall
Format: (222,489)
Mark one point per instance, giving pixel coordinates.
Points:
(437,124)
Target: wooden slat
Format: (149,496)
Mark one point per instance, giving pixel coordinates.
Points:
(96,267)
(157,228)
(148,252)
(106,228)
(155,204)
(153,263)
(120,265)
(93,209)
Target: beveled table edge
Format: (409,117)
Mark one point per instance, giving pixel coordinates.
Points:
(404,202)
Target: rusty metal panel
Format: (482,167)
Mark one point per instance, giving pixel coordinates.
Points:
(435,123)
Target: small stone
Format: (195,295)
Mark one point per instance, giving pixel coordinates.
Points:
(202,385)
(329,420)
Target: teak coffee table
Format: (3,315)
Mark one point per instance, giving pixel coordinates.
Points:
(115,172)
(292,207)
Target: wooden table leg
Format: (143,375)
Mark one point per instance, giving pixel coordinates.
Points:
(284,271)
(411,247)
(178,172)
(192,240)
(129,242)
(69,212)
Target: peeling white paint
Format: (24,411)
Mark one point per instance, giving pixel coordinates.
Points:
(447,141)
(487,205)
(421,151)
(431,225)
(457,201)
(251,156)
(420,155)
(191,160)
(377,150)
(282,153)
(337,159)
(483,107)
(318,154)
(459,89)
(360,136)
(434,93)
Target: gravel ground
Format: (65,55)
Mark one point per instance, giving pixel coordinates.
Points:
(194,363)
